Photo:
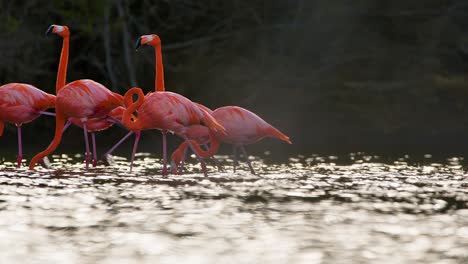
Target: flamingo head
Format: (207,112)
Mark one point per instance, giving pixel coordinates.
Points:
(174,168)
(151,40)
(176,158)
(62,31)
(117,113)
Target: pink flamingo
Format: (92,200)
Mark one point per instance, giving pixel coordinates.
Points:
(93,124)
(166,111)
(84,99)
(20,104)
(154,41)
(242,128)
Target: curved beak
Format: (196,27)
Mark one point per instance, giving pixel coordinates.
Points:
(138,43)
(49,30)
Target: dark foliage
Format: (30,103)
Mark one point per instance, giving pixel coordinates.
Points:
(334,75)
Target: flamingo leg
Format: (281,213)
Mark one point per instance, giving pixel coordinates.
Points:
(135,146)
(67,125)
(115,121)
(164,170)
(182,162)
(247,159)
(202,162)
(46,113)
(93,141)
(217,164)
(87,154)
(234,154)
(109,152)
(20,147)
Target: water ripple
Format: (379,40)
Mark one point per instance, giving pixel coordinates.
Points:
(337,209)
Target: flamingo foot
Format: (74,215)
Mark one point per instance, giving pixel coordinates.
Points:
(181,166)
(205,171)
(174,168)
(217,164)
(18,161)
(247,159)
(45,163)
(221,169)
(164,171)
(87,160)
(108,159)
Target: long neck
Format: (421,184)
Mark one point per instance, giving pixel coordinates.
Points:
(127,116)
(59,124)
(159,81)
(214,146)
(62,70)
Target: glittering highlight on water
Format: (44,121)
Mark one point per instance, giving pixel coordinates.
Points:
(338,209)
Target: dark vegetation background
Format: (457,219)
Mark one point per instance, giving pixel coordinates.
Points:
(337,76)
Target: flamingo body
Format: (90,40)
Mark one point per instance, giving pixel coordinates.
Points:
(83,99)
(244,127)
(87,99)
(100,124)
(168,111)
(198,133)
(21,103)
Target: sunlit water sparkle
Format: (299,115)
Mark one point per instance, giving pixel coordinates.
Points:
(306,210)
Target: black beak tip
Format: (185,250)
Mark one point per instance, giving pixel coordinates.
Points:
(49,30)
(138,43)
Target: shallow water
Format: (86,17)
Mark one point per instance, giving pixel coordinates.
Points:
(307,210)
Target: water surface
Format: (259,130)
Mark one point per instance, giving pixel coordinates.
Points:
(348,209)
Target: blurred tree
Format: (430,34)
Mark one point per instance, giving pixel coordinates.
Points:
(335,75)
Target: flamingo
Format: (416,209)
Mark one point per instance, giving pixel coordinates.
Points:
(242,128)
(93,124)
(154,41)
(20,104)
(166,111)
(84,99)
